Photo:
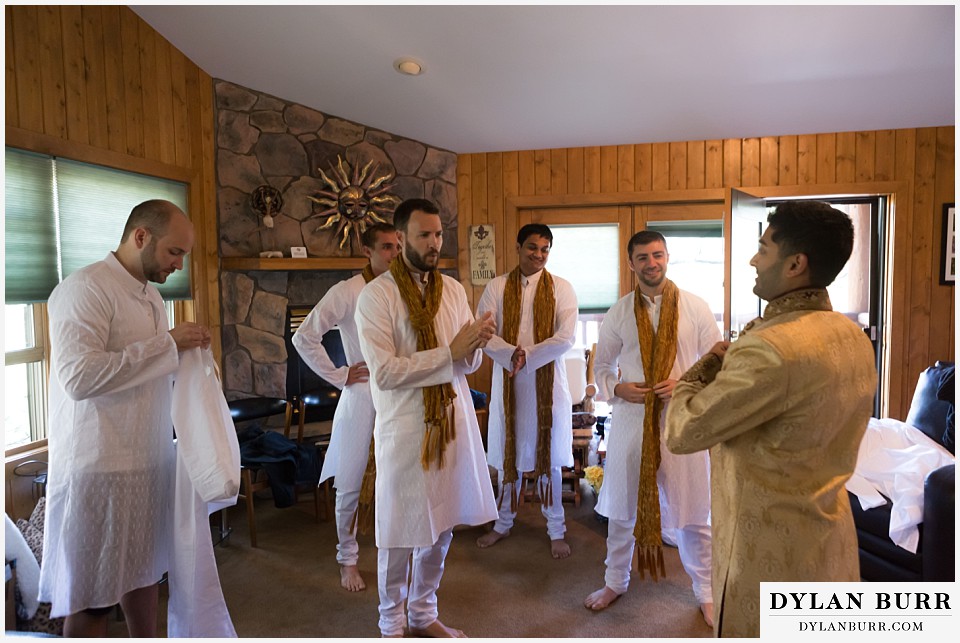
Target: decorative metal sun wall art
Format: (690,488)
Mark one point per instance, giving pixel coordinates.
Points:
(357,198)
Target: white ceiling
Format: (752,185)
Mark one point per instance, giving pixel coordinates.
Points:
(503,78)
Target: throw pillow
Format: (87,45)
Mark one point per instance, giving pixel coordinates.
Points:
(33,536)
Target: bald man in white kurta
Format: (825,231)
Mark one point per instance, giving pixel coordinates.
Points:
(416,510)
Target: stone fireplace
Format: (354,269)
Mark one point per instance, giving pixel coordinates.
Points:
(264,140)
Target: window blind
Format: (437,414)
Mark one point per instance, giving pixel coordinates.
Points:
(72,215)
(588,256)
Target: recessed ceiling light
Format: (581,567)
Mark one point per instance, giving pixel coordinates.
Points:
(408,66)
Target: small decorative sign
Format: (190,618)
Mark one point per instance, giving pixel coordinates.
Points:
(298,252)
(483,255)
(948,249)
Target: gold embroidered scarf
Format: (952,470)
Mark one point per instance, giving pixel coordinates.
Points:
(658,352)
(544,313)
(437,399)
(363,516)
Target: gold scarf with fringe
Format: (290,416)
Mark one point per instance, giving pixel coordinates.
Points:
(363,515)
(437,399)
(544,313)
(658,352)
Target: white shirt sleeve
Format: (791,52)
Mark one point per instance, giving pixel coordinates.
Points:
(329,311)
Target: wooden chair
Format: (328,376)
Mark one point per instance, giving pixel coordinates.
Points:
(253,479)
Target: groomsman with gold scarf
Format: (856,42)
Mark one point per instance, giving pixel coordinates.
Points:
(648,339)
(420,340)
(530,407)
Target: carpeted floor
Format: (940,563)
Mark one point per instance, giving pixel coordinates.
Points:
(290,587)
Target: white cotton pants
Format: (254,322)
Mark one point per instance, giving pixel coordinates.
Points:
(554,514)
(693,541)
(395,569)
(348,550)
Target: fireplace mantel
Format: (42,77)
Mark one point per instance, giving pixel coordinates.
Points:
(310,263)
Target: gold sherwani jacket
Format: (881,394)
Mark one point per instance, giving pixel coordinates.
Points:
(783,419)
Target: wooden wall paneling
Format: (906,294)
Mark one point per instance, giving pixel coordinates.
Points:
(866,155)
(886,155)
(495,202)
(942,302)
(750,162)
(787,173)
(211,316)
(478,193)
(28,94)
(178,66)
(558,171)
(608,169)
(769,161)
(510,190)
(591,170)
(713,164)
(95,87)
(696,168)
(846,157)
(661,166)
(643,167)
(625,168)
(51,71)
(807,159)
(541,169)
(10,100)
(71,21)
(901,266)
(132,83)
(678,166)
(627,226)
(465,219)
(731,162)
(150,80)
(826,158)
(527,173)
(921,250)
(165,132)
(574,170)
(113,68)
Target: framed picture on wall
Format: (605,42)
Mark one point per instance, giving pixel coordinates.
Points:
(948,251)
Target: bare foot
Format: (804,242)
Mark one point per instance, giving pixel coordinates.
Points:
(490,538)
(559,548)
(707,610)
(600,599)
(437,630)
(350,578)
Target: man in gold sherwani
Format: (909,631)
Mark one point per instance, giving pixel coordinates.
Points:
(782,410)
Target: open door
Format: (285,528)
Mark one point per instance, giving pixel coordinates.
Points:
(745,216)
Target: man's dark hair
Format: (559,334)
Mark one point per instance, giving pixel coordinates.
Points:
(642,238)
(534,229)
(401,217)
(369,236)
(817,230)
(154,215)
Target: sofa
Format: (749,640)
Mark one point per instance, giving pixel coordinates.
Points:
(931,411)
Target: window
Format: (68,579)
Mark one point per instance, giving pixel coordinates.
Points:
(696,259)
(59,216)
(588,256)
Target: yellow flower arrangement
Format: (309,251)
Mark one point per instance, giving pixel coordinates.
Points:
(594,475)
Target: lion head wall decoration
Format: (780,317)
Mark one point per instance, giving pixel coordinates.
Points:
(356,199)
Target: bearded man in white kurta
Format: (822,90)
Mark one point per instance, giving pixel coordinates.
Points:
(420,340)
(346,459)
(674,497)
(111,435)
(530,407)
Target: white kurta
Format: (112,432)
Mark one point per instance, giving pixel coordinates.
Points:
(525,381)
(413,506)
(684,480)
(346,458)
(111,439)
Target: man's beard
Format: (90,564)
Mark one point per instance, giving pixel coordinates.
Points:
(151,267)
(417,260)
(653,283)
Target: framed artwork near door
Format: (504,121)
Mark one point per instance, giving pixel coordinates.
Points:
(948,250)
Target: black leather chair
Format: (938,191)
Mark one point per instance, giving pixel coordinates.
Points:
(880,558)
